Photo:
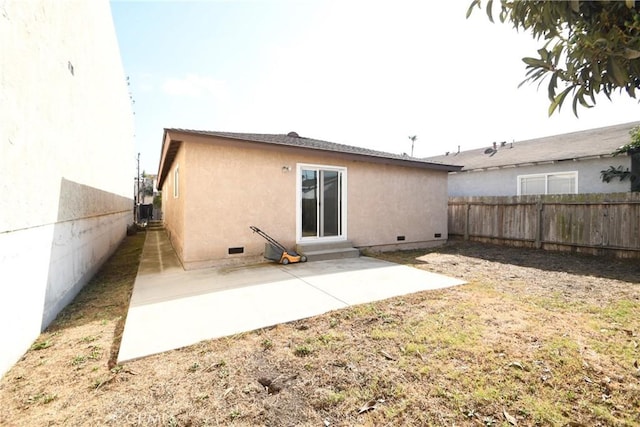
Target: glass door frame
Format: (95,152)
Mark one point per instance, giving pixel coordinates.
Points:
(343,203)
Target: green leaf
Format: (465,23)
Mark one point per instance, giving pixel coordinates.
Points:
(595,72)
(557,53)
(544,54)
(558,100)
(631,90)
(490,10)
(614,69)
(583,102)
(579,97)
(533,75)
(553,84)
(503,15)
(473,5)
(536,63)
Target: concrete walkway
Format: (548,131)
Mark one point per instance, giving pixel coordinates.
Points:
(172,308)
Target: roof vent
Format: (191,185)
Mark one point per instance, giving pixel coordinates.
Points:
(293,135)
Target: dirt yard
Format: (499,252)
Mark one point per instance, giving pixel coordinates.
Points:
(534,338)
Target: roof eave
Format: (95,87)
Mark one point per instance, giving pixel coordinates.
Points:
(167,157)
(409,162)
(537,163)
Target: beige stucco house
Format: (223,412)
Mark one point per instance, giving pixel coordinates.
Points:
(301,191)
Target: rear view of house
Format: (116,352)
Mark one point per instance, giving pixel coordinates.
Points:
(302,191)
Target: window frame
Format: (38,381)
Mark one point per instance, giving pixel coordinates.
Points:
(176,182)
(546,176)
(342,170)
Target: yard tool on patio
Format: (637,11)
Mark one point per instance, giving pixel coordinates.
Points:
(275,251)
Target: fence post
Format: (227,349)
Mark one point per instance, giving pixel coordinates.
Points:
(466,221)
(539,207)
(605,226)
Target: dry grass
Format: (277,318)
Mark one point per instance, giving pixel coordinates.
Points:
(535,339)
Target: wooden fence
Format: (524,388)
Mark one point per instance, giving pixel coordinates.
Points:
(592,223)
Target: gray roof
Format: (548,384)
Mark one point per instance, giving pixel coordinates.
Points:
(292,139)
(600,142)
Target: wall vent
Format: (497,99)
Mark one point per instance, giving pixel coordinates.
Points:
(233,251)
(437,235)
(400,238)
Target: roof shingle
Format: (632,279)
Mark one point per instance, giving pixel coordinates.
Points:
(300,141)
(293,140)
(570,146)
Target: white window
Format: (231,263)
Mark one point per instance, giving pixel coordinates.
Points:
(548,183)
(176,182)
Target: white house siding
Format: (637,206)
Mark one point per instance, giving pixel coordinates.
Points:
(66,159)
(504,181)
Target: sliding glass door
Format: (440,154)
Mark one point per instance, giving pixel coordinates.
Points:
(321,213)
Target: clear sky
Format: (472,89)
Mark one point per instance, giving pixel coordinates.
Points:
(365,73)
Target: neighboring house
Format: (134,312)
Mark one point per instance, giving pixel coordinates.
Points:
(66,158)
(299,190)
(144,190)
(569,163)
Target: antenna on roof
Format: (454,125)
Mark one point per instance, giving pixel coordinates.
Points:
(413,141)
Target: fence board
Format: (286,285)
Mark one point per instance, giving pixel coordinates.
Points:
(595,223)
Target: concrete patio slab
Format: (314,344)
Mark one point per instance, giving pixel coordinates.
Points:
(362,280)
(172,308)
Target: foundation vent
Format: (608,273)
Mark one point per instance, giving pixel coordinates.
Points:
(400,238)
(233,251)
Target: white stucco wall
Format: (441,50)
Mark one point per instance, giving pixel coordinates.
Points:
(504,181)
(66,159)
